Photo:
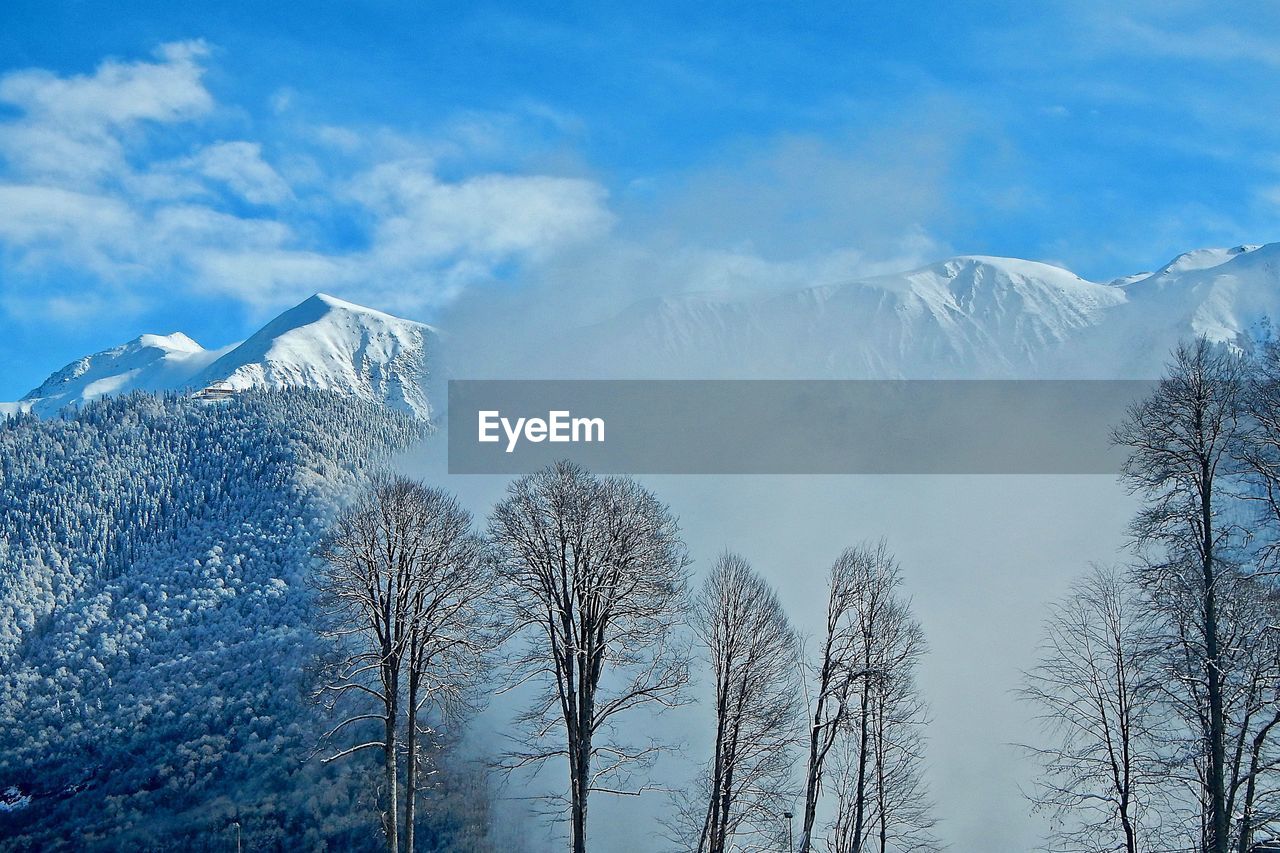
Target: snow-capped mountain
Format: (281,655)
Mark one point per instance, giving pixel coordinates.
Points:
(323,343)
(965,317)
(332,345)
(1230,296)
(146,363)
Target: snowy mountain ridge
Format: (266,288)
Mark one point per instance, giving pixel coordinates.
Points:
(966,317)
(971,316)
(323,343)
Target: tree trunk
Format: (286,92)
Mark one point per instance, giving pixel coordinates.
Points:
(411,764)
(581,785)
(1218,818)
(1246,819)
(707,841)
(813,777)
(726,799)
(393,783)
(581,768)
(860,789)
(1126,823)
(1130,837)
(882,798)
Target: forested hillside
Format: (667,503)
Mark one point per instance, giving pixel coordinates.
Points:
(155,642)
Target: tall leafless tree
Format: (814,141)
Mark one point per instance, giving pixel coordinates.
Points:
(833,680)
(598,582)
(1104,774)
(754,656)
(861,585)
(1181,443)
(404,593)
(450,628)
(882,802)
(1257,619)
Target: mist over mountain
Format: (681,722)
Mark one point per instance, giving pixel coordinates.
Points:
(966,317)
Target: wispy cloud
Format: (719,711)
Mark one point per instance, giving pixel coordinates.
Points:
(1217,42)
(84,186)
(77,129)
(126,176)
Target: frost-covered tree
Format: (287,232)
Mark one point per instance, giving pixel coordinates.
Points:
(1182,442)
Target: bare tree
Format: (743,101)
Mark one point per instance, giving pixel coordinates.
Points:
(1253,708)
(881,800)
(403,592)
(1104,776)
(754,656)
(1256,616)
(1182,441)
(598,579)
(834,678)
(450,628)
(860,593)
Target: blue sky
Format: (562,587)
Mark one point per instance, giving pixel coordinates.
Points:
(202,166)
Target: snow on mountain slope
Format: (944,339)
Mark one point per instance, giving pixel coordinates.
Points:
(961,317)
(323,343)
(966,317)
(147,363)
(1229,296)
(330,344)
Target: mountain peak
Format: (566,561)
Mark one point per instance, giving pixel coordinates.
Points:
(148,362)
(329,343)
(327,302)
(174,342)
(1018,266)
(335,302)
(1202,259)
(323,342)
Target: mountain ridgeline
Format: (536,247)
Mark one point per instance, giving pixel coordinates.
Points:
(962,318)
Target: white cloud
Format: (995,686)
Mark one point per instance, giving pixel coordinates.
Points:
(488,216)
(369,213)
(117,93)
(81,188)
(1212,43)
(240,166)
(50,225)
(71,127)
